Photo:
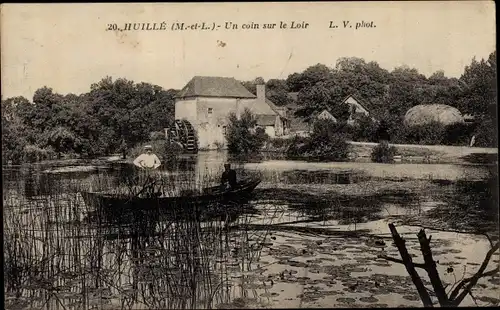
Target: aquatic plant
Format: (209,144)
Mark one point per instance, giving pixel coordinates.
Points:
(59,252)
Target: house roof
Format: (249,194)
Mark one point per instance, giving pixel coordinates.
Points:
(213,86)
(326,115)
(281,111)
(265,120)
(258,107)
(357,100)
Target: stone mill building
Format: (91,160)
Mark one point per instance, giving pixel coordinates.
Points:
(205,103)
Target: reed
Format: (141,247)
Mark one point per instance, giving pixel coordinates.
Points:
(56,256)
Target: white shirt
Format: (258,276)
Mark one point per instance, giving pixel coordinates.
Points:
(147,161)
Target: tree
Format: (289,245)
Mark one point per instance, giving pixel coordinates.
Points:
(479,83)
(252,85)
(277,92)
(242,138)
(321,96)
(308,78)
(62,140)
(129,111)
(326,143)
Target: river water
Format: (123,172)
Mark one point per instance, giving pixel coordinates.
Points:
(310,236)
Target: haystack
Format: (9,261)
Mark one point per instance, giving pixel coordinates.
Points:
(427,113)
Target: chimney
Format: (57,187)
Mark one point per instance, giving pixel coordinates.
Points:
(261,93)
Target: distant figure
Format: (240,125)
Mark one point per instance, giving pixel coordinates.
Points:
(472,141)
(147,160)
(228,180)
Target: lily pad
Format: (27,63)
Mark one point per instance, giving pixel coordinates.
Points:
(346,300)
(411,297)
(370,299)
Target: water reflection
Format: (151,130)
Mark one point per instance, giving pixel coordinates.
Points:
(59,252)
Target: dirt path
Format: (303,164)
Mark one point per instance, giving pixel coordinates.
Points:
(457,151)
(435,153)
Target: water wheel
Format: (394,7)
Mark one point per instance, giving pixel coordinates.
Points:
(184,133)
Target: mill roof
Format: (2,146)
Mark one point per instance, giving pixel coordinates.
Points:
(213,86)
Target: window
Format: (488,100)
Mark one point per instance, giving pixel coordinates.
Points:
(210,110)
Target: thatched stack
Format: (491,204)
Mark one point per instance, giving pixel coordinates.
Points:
(427,113)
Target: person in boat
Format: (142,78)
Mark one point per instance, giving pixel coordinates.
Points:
(228,179)
(147,160)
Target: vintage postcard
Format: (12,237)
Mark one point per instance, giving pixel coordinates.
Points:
(249,155)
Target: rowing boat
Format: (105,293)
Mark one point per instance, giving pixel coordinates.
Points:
(120,202)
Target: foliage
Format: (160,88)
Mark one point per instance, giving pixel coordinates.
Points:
(458,134)
(428,134)
(296,147)
(113,117)
(279,143)
(487,133)
(13,142)
(252,85)
(32,153)
(242,137)
(62,140)
(327,143)
(479,86)
(116,115)
(383,153)
(365,129)
(156,135)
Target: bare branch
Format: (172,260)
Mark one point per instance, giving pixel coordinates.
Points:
(456,282)
(431,269)
(473,298)
(489,239)
(397,260)
(410,268)
(473,280)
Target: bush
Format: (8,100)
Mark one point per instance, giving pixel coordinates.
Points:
(242,139)
(171,151)
(458,134)
(383,153)
(365,129)
(156,135)
(326,143)
(486,133)
(33,153)
(296,147)
(279,142)
(429,134)
(330,148)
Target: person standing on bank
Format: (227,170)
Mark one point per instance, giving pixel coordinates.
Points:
(228,180)
(148,160)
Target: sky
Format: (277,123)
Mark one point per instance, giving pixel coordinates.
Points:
(66,46)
